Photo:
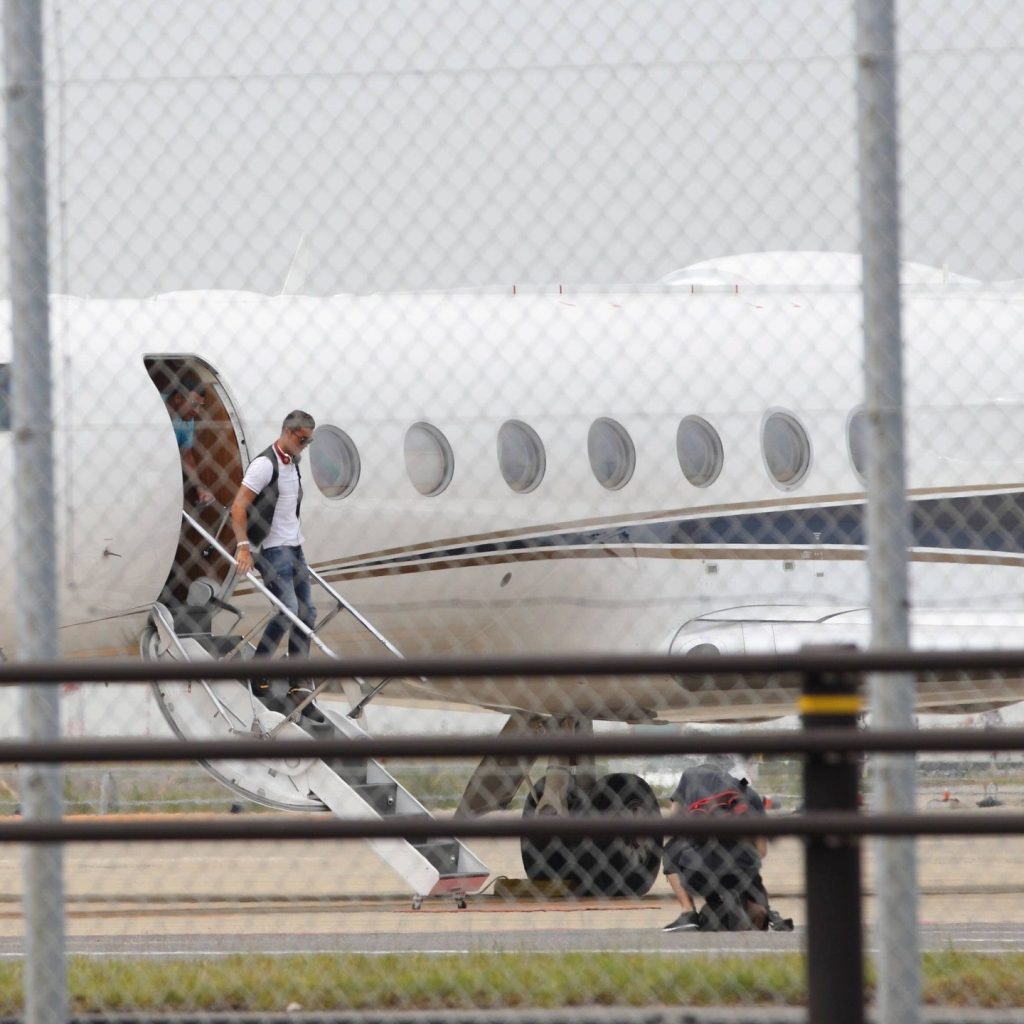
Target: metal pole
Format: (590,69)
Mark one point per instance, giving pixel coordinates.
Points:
(45,975)
(892,697)
(835,944)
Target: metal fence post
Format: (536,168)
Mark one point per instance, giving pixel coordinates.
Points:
(45,977)
(835,952)
(888,533)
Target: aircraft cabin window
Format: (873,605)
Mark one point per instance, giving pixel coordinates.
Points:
(786,448)
(334,461)
(857,441)
(5,396)
(612,455)
(428,459)
(520,456)
(699,449)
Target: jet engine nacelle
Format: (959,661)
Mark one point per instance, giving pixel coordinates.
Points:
(786,629)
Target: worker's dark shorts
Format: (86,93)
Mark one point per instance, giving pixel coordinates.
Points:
(711,887)
(712,860)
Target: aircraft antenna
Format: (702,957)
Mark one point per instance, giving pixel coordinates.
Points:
(295,279)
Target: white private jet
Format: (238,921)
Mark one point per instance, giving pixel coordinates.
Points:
(668,468)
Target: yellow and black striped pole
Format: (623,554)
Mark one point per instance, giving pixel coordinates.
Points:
(835,945)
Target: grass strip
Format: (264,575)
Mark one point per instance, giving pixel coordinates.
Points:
(413,981)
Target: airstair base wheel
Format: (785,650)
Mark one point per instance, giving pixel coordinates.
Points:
(149,644)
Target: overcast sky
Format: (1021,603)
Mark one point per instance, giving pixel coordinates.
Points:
(438,143)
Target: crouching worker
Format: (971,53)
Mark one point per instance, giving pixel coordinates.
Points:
(725,873)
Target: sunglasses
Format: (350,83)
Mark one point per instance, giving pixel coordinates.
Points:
(303,439)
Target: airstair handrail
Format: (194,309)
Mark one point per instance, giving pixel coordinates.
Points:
(357,709)
(260,586)
(367,692)
(341,602)
(356,614)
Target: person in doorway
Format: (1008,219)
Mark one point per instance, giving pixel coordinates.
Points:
(268,536)
(185,400)
(725,873)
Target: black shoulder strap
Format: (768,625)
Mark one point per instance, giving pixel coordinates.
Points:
(260,513)
(275,470)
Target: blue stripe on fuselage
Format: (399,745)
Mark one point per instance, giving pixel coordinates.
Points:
(976,522)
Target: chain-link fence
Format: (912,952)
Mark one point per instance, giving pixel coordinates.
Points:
(491,328)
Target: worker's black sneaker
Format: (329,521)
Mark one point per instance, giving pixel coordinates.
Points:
(688,922)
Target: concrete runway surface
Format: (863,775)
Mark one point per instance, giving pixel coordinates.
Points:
(184,899)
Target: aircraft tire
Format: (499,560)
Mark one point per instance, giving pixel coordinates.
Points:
(554,859)
(620,866)
(605,867)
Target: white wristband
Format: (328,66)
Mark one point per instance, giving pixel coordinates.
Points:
(242,544)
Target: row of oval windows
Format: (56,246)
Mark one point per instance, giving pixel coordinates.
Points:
(430,462)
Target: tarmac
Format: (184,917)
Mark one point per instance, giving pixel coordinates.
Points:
(279,895)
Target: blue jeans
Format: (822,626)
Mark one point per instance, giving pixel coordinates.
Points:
(286,576)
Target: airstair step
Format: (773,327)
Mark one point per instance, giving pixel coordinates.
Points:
(351,769)
(352,788)
(443,854)
(381,796)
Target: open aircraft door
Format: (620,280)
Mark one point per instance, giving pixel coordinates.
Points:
(221,457)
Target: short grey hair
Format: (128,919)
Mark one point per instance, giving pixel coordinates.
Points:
(298,420)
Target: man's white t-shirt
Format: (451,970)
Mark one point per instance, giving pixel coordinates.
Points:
(285,530)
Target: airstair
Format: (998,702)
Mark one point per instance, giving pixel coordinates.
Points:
(351,788)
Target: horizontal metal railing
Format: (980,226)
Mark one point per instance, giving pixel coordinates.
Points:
(808,742)
(832,825)
(820,660)
(476,745)
(829,743)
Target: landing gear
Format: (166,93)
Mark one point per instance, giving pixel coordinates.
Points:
(619,866)
(554,859)
(622,866)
